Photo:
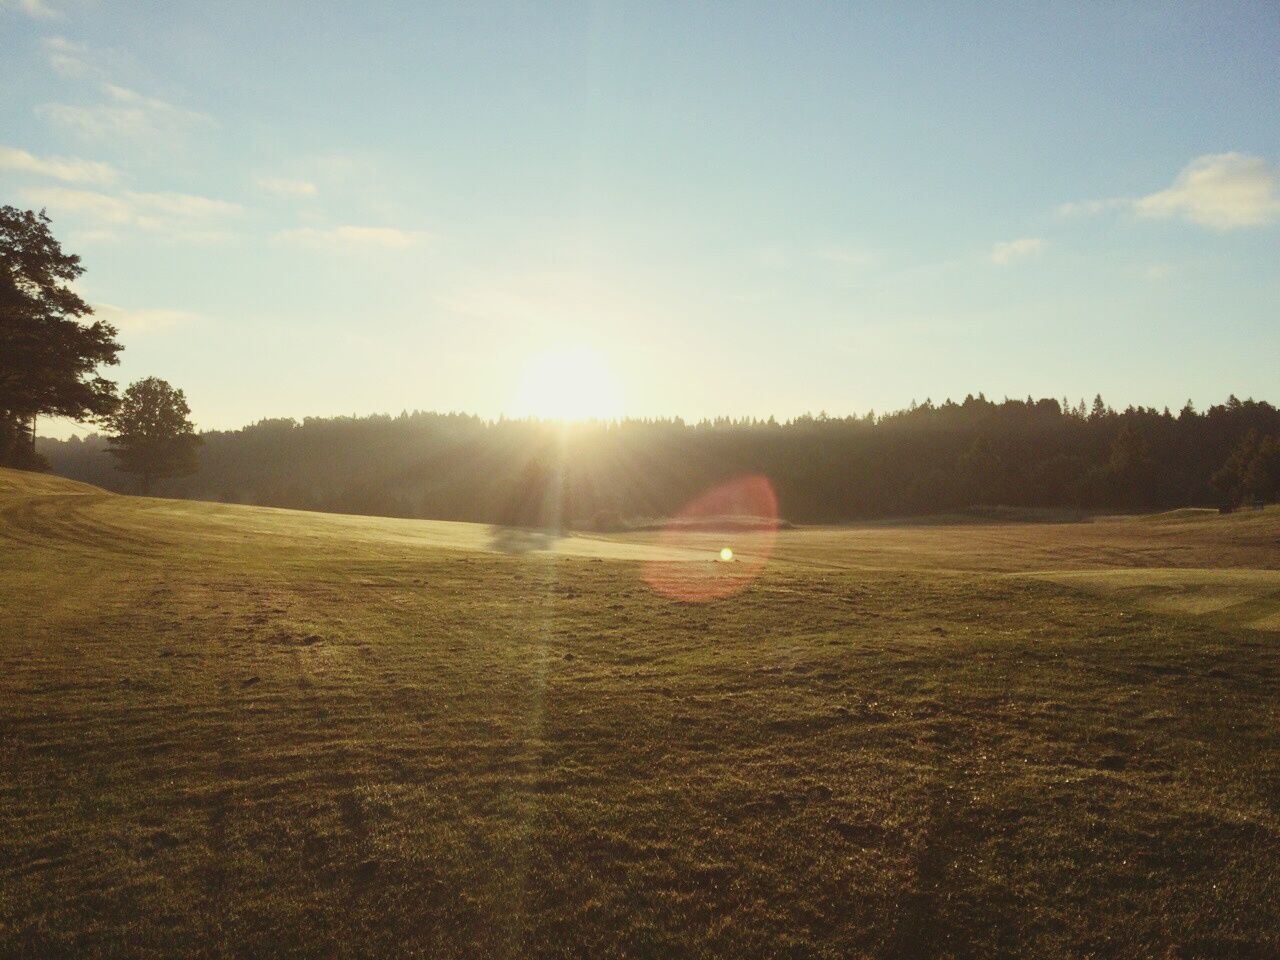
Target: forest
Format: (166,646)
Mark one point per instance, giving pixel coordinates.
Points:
(927,459)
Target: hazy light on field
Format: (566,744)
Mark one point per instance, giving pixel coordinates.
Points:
(726,554)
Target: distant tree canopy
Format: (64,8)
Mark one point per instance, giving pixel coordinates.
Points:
(48,354)
(153,435)
(1252,472)
(926,459)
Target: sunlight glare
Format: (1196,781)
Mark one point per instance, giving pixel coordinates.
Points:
(568,383)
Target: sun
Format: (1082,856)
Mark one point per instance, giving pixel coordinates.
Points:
(568,383)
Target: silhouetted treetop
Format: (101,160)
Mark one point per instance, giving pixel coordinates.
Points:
(153,434)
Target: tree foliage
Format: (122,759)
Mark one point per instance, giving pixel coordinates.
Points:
(49,354)
(153,435)
(1252,472)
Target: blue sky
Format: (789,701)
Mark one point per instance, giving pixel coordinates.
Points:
(725,208)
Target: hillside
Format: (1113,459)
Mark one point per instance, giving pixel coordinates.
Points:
(251,731)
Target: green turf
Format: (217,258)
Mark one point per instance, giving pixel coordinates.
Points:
(229,731)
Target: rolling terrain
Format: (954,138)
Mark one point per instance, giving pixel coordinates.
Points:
(239,731)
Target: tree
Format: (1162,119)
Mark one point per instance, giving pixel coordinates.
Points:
(1252,472)
(48,354)
(982,472)
(153,435)
(1262,478)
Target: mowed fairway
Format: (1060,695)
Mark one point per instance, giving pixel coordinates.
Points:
(229,731)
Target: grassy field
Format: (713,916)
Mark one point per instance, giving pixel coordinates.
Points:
(229,731)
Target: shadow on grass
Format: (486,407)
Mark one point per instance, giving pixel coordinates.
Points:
(522,539)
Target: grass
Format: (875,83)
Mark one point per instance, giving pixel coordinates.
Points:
(238,731)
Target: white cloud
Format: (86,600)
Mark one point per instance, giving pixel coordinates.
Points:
(1010,250)
(1082,208)
(1222,191)
(36,9)
(74,60)
(385,238)
(86,203)
(178,215)
(287,187)
(60,168)
(184,205)
(125,113)
(70,59)
(141,321)
(121,112)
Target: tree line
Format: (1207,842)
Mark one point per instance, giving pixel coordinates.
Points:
(929,458)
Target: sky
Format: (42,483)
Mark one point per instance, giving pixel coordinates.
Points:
(658,209)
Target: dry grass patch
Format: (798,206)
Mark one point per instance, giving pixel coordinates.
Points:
(239,732)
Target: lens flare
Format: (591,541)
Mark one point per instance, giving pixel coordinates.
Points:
(745,508)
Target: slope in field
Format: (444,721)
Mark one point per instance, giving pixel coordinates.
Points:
(1239,597)
(38,506)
